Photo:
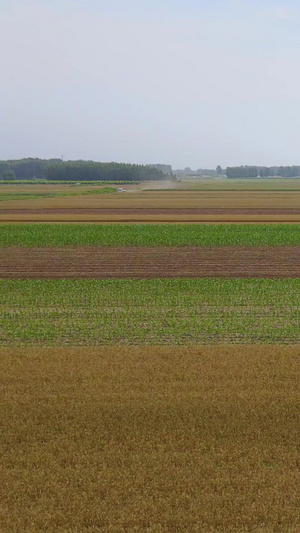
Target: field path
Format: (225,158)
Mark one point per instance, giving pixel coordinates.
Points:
(149,262)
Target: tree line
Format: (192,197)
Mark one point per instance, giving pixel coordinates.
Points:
(92,171)
(262,172)
(25,169)
(57,170)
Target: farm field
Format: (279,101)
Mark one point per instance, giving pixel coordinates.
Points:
(56,183)
(8,194)
(182,183)
(150,439)
(217,184)
(55,189)
(141,251)
(149,312)
(138,205)
(41,235)
(149,262)
(144,216)
(149,405)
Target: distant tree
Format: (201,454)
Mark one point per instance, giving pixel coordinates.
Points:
(252,172)
(55,169)
(265,172)
(242,172)
(219,170)
(8,175)
(165,169)
(27,169)
(5,171)
(92,171)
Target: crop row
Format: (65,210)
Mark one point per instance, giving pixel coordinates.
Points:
(149,235)
(171,312)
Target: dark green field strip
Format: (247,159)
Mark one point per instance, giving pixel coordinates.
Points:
(149,312)
(219,189)
(5,197)
(33,235)
(69,182)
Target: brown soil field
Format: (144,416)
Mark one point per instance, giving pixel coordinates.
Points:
(159,206)
(142,219)
(165,199)
(154,215)
(149,262)
(153,211)
(150,440)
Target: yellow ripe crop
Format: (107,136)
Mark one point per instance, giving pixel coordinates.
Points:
(136,440)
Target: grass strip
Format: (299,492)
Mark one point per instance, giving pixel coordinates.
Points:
(149,312)
(4,197)
(32,235)
(216,189)
(67,182)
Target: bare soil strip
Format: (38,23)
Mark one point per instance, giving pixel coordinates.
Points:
(153,211)
(119,440)
(149,262)
(151,215)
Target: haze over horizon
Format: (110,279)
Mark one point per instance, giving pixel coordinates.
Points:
(189,83)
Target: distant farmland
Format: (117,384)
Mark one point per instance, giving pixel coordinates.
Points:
(150,371)
(137,205)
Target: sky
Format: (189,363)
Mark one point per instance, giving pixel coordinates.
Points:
(183,82)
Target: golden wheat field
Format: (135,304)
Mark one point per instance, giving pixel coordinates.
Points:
(151,439)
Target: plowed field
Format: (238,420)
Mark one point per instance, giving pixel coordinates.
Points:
(149,262)
(158,206)
(154,215)
(153,211)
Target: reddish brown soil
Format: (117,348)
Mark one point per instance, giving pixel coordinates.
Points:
(159,215)
(153,211)
(152,262)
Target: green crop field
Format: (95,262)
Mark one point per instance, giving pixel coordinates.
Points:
(4,196)
(117,417)
(67,182)
(141,312)
(149,235)
(216,184)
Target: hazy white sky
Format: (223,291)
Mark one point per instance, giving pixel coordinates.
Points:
(186,82)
